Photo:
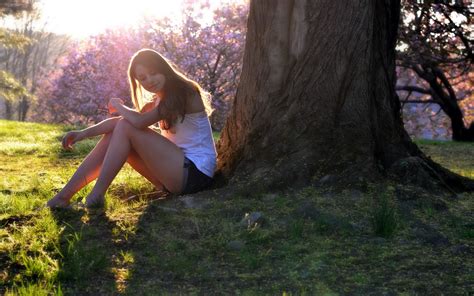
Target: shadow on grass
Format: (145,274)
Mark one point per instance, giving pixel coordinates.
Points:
(87,253)
(179,250)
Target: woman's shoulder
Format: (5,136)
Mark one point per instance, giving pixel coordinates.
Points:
(194,103)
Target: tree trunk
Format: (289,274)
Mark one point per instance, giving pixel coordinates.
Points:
(8,110)
(317,95)
(23,107)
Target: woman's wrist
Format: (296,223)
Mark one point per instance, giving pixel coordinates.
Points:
(82,134)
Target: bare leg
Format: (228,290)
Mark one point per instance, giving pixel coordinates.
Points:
(85,173)
(163,159)
(90,168)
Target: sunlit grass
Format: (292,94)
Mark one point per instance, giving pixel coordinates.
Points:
(456,156)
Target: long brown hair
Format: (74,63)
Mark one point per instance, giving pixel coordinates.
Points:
(176,89)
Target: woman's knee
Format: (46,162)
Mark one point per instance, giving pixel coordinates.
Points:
(123,126)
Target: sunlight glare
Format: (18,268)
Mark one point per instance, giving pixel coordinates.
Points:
(80,19)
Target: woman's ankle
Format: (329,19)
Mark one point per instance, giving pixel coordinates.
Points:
(58,201)
(95,200)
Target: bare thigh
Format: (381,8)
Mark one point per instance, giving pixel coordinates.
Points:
(162,157)
(139,165)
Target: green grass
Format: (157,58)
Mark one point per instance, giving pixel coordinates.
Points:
(457,156)
(384,216)
(311,241)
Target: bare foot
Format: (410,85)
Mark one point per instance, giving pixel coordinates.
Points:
(95,201)
(58,202)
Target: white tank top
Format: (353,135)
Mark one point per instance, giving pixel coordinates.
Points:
(194,136)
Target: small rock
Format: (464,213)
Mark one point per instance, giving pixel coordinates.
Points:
(327,180)
(190,202)
(236,245)
(251,219)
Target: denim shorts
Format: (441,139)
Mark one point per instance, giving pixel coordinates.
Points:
(194,179)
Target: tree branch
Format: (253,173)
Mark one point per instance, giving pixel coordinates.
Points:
(413,88)
(421,102)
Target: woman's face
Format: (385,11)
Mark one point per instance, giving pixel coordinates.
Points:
(151,80)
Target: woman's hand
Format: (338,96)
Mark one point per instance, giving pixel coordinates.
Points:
(71,138)
(113,104)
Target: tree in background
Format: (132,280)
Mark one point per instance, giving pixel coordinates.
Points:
(11,88)
(210,53)
(30,63)
(95,70)
(13,7)
(435,58)
(92,72)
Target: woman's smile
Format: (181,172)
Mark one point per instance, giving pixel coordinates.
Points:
(151,81)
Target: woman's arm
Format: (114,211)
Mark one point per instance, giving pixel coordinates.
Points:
(104,127)
(137,119)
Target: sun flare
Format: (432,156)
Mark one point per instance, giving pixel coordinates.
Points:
(89,17)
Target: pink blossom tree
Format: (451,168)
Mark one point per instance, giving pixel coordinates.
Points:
(210,53)
(92,72)
(435,61)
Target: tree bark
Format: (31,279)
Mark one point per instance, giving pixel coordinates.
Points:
(317,95)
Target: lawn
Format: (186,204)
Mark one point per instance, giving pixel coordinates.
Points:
(388,239)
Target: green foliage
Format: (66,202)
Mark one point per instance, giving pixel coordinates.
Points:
(11,39)
(10,88)
(384,216)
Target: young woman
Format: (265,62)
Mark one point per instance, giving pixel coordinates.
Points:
(181,159)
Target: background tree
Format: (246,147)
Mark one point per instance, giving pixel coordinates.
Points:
(436,46)
(33,60)
(10,88)
(95,69)
(92,72)
(208,52)
(317,96)
(15,6)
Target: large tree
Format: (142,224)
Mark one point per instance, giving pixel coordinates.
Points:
(317,97)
